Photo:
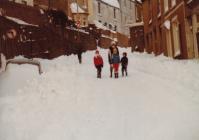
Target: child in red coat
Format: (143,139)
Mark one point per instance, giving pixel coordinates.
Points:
(98,62)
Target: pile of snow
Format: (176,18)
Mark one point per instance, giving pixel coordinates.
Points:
(167,24)
(113,3)
(75,8)
(19,21)
(158,100)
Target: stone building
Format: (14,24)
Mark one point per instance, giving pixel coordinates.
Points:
(128,15)
(105,13)
(115,15)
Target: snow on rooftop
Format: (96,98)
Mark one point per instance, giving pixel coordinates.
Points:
(100,25)
(75,8)
(113,3)
(19,21)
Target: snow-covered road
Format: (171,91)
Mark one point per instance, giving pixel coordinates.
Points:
(159,100)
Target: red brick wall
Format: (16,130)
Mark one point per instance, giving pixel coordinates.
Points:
(47,42)
(154,32)
(123,40)
(105,42)
(137,38)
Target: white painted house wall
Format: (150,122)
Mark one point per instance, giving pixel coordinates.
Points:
(106,14)
(125,13)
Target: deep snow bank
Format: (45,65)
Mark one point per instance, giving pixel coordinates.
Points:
(158,101)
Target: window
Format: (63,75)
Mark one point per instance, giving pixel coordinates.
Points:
(105,23)
(176,37)
(110,26)
(99,7)
(150,9)
(147,40)
(197,18)
(150,42)
(159,8)
(114,12)
(115,28)
(84,23)
(173,3)
(168,43)
(166,5)
(84,5)
(137,13)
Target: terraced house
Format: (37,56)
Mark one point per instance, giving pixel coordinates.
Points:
(105,14)
(171,27)
(115,15)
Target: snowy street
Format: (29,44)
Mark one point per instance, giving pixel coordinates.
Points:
(159,100)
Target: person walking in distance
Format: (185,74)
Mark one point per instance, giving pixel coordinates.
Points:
(110,55)
(124,63)
(98,62)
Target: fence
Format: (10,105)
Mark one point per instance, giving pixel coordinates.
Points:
(46,40)
(43,42)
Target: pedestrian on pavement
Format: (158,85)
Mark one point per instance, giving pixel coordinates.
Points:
(110,54)
(79,53)
(124,64)
(98,62)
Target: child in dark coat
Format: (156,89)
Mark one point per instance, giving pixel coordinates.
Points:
(124,63)
(98,62)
